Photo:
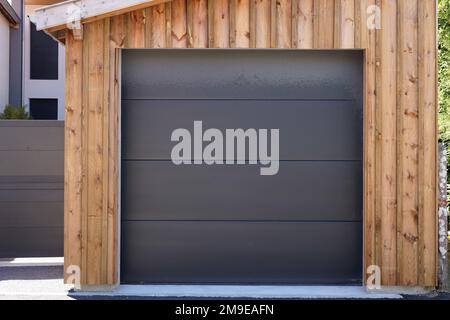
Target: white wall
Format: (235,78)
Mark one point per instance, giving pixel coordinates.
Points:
(43,89)
(4,62)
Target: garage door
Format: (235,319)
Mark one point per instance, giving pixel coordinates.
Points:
(228,223)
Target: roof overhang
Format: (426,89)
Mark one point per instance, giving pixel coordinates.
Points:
(8,12)
(73,13)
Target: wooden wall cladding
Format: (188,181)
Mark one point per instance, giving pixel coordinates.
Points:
(400,115)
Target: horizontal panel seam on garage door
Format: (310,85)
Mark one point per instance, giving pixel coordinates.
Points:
(246,220)
(236,99)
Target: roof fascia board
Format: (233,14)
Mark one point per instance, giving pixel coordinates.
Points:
(70,13)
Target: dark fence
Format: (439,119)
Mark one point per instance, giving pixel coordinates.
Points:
(31,189)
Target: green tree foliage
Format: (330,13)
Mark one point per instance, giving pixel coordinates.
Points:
(444,77)
(444,70)
(15,113)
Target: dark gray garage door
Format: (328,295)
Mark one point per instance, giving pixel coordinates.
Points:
(227,223)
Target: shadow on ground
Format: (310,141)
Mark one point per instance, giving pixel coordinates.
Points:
(31,273)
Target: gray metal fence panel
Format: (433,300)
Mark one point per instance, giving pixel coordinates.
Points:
(31,188)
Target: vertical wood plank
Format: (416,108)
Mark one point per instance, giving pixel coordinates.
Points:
(179,24)
(199,23)
(73,155)
(284,23)
(232,23)
(158,26)
(168,27)
(305,24)
(84,143)
(119,31)
(105,146)
(408,142)
(324,12)
(367,41)
(273,23)
(136,29)
(262,23)
(387,149)
(95,152)
(252,17)
(345,24)
(242,23)
(116,41)
(211,23)
(428,131)
(221,24)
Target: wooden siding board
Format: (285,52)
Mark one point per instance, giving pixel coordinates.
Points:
(388,143)
(105,143)
(262,23)
(136,29)
(179,24)
(221,24)
(324,23)
(305,24)
(428,132)
(366,39)
(407,143)
(199,23)
(158,26)
(241,24)
(284,24)
(344,24)
(73,177)
(95,150)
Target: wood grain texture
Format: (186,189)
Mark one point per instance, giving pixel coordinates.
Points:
(344,37)
(157,31)
(221,24)
(262,23)
(387,149)
(408,136)
(283,24)
(324,14)
(136,29)
(366,39)
(400,110)
(305,24)
(179,24)
(95,107)
(73,167)
(199,18)
(428,133)
(241,25)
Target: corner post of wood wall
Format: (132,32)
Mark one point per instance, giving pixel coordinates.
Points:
(73,155)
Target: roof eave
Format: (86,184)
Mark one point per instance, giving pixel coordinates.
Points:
(65,15)
(8,12)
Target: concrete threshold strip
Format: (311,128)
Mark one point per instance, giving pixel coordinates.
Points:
(239,292)
(31,262)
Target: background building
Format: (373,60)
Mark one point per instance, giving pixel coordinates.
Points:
(36,66)
(9,22)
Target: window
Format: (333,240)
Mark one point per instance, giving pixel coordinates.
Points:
(43,56)
(44,109)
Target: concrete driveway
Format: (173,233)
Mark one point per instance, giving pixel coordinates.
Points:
(33,283)
(46,283)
